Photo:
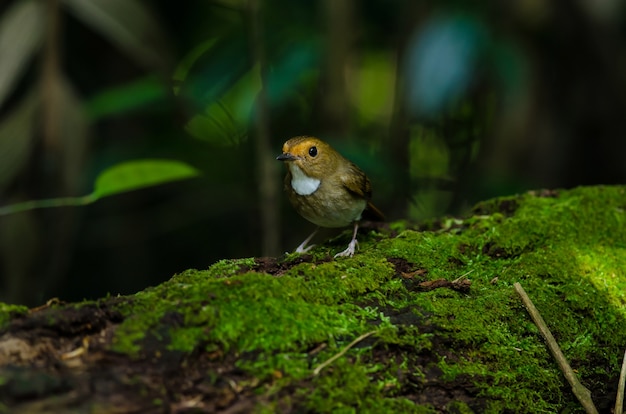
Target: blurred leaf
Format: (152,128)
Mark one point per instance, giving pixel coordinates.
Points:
(223,81)
(296,65)
(125,98)
(372,88)
(215,66)
(136,174)
(217,127)
(182,70)
(121,178)
(21,33)
(129,24)
(441,61)
(17,132)
(225,121)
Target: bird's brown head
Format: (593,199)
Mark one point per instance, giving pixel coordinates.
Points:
(313,156)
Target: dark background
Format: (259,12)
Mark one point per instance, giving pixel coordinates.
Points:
(442,103)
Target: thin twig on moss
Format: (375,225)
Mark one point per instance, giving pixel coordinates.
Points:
(580,391)
(619,401)
(330,360)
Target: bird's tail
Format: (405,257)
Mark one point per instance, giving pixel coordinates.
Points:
(372,213)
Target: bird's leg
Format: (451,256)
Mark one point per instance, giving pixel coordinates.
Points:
(303,248)
(349,252)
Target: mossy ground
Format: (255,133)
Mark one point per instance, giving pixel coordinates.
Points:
(9,311)
(273,321)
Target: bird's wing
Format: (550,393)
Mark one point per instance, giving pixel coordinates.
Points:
(356,182)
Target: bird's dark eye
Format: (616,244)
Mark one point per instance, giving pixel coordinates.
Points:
(313,151)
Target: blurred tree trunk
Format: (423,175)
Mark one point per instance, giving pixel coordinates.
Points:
(400,126)
(56,226)
(265,159)
(340,36)
(399,139)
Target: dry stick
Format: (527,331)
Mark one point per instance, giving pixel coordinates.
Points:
(619,401)
(580,391)
(343,351)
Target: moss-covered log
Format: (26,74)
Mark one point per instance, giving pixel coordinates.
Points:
(446,331)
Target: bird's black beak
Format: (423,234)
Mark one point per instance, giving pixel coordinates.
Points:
(286,157)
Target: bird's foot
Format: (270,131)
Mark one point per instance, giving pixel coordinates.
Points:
(349,252)
(303,248)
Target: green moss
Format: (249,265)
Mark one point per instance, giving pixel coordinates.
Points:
(568,251)
(226,268)
(459,407)
(7,312)
(347,388)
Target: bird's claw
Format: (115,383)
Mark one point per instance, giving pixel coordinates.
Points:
(303,246)
(302,249)
(349,252)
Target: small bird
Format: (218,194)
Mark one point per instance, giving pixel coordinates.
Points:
(325,188)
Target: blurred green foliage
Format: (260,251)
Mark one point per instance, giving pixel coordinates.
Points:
(441,103)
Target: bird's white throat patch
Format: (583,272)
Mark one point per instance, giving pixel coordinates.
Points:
(302,183)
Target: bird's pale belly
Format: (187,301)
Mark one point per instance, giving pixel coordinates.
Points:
(339,209)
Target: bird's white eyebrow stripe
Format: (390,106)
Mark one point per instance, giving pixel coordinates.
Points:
(301,183)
